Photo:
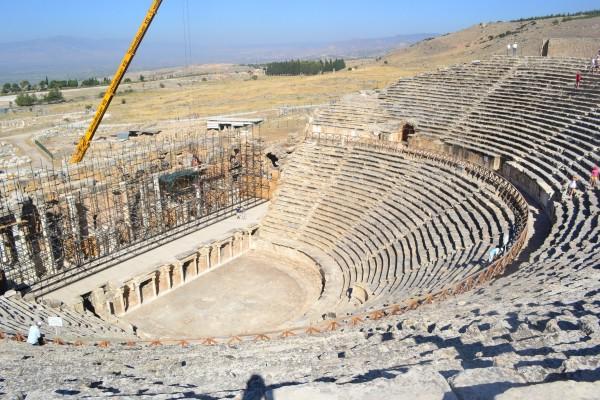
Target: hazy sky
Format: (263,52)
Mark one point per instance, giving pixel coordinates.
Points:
(262,21)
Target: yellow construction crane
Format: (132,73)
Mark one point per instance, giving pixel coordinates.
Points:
(86,140)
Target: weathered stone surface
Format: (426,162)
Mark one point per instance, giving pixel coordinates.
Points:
(554,391)
(590,325)
(416,384)
(485,383)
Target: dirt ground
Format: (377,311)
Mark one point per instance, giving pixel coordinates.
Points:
(247,295)
(162,103)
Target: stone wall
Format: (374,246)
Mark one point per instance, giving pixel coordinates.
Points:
(115,300)
(572,47)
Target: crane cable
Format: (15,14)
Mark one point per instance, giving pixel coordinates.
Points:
(187,44)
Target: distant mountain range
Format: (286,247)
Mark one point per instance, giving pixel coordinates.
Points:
(72,57)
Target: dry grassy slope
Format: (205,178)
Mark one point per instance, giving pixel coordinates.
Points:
(233,96)
(483,40)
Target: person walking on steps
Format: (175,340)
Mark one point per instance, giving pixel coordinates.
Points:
(578,79)
(493,254)
(595,174)
(572,188)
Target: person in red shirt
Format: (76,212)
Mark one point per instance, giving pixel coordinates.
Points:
(578,79)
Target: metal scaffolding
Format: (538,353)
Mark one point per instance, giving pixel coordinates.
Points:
(57,222)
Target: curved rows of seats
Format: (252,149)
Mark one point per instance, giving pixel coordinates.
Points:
(450,94)
(397,226)
(17,315)
(527,113)
(359,113)
(545,127)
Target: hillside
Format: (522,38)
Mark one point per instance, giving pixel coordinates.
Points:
(579,37)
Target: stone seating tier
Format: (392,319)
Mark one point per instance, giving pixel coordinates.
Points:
(396,226)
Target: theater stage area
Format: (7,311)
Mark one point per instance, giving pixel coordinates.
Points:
(257,292)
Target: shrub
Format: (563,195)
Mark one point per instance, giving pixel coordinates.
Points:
(54,95)
(25,100)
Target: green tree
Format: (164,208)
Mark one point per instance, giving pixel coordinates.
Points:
(127,80)
(42,85)
(15,88)
(25,99)
(142,78)
(298,67)
(25,85)
(90,82)
(6,88)
(54,95)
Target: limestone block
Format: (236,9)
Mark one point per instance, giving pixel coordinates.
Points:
(485,383)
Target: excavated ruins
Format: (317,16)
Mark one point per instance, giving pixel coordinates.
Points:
(370,274)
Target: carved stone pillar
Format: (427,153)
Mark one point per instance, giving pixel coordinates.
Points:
(178,277)
(191,267)
(164,278)
(203,259)
(100,303)
(215,255)
(225,251)
(135,297)
(154,286)
(238,245)
(246,240)
(118,302)
(230,244)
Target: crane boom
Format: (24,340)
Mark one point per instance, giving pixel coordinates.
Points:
(86,140)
